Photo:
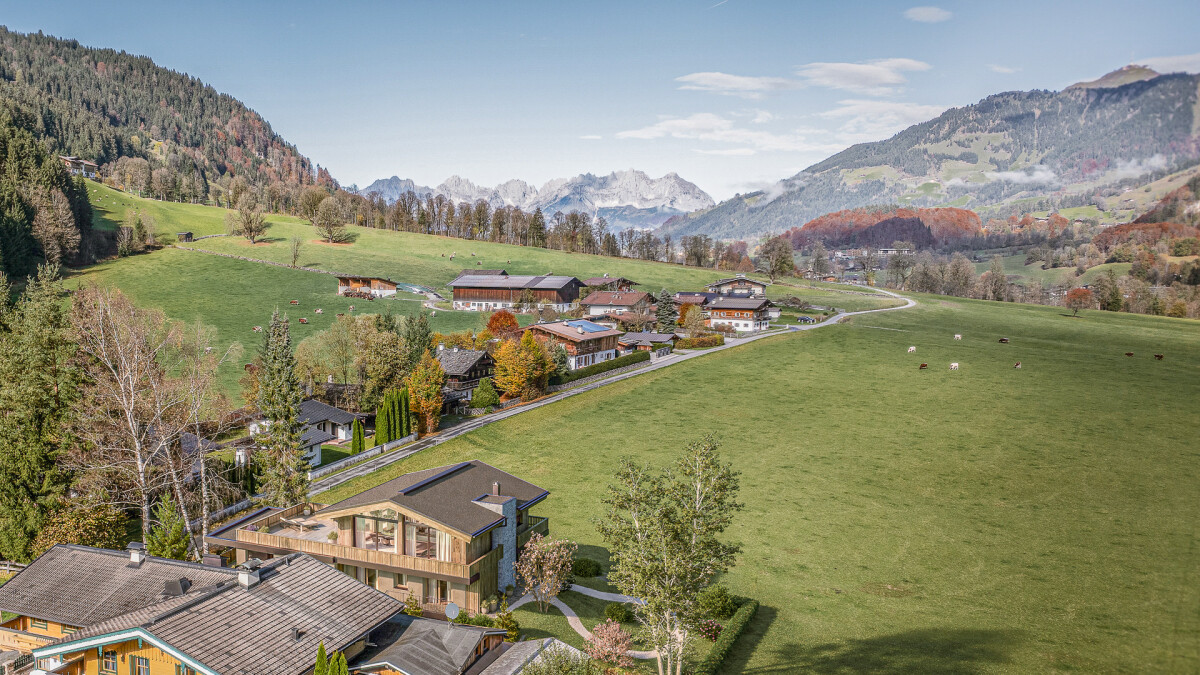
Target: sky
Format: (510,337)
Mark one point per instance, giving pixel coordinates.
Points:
(733,95)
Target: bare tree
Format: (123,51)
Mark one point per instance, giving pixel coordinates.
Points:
(296,243)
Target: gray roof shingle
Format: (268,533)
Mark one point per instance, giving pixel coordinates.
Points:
(541,282)
(726,302)
(423,646)
(459,362)
(313,411)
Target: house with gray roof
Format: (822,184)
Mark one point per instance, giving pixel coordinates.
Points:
(451,533)
(490,292)
(266,619)
(658,344)
(464,369)
(741,314)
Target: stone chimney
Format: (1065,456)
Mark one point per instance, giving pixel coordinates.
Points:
(504,535)
(137,553)
(248,575)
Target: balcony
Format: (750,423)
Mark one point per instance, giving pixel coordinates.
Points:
(532,525)
(288,530)
(21,641)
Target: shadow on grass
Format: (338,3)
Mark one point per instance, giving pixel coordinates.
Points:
(934,650)
(747,642)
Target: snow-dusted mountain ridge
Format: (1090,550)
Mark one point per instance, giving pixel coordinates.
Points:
(625,198)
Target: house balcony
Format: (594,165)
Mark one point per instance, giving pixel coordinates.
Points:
(12,639)
(532,525)
(283,531)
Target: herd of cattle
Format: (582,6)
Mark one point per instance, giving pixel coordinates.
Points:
(912,349)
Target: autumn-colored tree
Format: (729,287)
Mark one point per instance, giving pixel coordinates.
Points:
(98,525)
(1080,298)
(522,368)
(425,390)
(610,643)
(544,566)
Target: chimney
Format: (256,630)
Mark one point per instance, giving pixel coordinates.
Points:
(137,553)
(441,346)
(455,348)
(496,488)
(329,379)
(248,575)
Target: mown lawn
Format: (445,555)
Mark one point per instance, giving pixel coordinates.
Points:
(984,520)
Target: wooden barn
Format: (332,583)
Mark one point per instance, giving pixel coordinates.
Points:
(357,287)
(489,292)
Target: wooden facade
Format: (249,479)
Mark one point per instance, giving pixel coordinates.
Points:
(373,286)
(509,297)
(739,286)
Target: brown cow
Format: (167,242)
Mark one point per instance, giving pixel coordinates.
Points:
(1128,353)
(1017,365)
(1158,357)
(1004,340)
(923,366)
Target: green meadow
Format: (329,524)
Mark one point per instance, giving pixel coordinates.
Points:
(898,520)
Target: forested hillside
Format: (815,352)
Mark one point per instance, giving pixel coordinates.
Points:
(102,105)
(1034,150)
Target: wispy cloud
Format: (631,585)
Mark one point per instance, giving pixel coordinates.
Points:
(1039,173)
(735,85)
(871,120)
(729,152)
(590,137)
(1004,70)
(717,129)
(880,77)
(927,14)
(1186,63)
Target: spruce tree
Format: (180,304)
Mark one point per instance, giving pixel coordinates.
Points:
(537,229)
(285,470)
(666,312)
(169,538)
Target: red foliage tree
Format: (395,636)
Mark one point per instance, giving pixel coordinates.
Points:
(503,324)
(1080,298)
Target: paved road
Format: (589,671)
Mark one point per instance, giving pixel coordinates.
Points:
(372,465)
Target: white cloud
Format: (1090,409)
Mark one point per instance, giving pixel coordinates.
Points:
(1039,173)
(735,85)
(927,14)
(715,128)
(1003,70)
(590,137)
(730,152)
(1137,167)
(1186,63)
(869,120)
(762,116)
(874,78)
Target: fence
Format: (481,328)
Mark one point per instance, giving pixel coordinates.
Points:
(7,567)
(360,457)
(600,376)
(475,412)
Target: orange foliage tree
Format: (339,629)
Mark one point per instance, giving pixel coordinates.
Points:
(1079,298)
(425,391)
(502,323)
(522,368)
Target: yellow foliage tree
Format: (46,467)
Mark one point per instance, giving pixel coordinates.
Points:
(425,391)
(522,368)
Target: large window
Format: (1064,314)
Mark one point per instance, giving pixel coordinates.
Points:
(423,541)
(139,665)
(376,531)
(108,663)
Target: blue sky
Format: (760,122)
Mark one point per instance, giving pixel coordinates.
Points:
(731,95)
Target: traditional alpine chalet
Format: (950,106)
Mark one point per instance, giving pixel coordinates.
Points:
(448,534)
(89,611)
(464,369)
(79,167)
(599,303)
(587,343)
(607,283)
(739,287)
(358,287)
(489,292)
(658,344)
(742,314)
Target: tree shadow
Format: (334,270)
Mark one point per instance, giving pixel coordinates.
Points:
(747,642)
(597,553)
(933,650)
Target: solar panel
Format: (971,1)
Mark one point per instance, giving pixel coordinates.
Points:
(587,326)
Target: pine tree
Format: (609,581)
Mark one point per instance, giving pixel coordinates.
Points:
(666,312)
(322,667)
(285,471)
(358,442)
(169,538)
(537,229)
(417,339)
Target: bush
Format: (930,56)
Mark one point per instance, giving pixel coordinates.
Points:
(711,663)
(710,629)
(716,602)
(619,362)
(508,622)
(485,395)
(618,611)
(701,342)
(477,620)
(585,567)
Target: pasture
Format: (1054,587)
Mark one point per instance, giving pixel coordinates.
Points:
(896,520)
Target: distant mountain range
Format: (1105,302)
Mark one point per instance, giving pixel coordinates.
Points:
(626,199)
(1082,147)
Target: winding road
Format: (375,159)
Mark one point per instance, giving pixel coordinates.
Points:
(358,470)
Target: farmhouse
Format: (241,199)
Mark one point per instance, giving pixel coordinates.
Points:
(464,368)
(487,292)
(357,287)
(587,343)
(694,298)
(323,424)
(739,286)
(99,611)
(79,167)
(607,283)
(658,344)
(612,302)
(740,314)
(446,534)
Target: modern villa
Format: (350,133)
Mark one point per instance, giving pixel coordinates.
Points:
(448,534)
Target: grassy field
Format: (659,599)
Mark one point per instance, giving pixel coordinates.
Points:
(984,520)
(1014,265)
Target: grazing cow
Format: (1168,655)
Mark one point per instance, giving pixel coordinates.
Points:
(340,315)
(1158,357)
(954,366)
(1004,340)
(911,350)
(957,336)
(433,314)
(443,255)
(303,320)
(318,311)
(1128,353)
(923,366)
(472,255)
(1018,365)
(351,308)
(257,329)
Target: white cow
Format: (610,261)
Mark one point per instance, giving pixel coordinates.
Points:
(911,350)
(954,366)
(957,336)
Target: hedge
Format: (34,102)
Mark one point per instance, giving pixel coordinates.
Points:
(711,664)
(612,364)
(700,342)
